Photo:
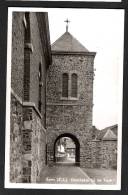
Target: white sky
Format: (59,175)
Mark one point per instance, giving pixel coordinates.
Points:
(100,31)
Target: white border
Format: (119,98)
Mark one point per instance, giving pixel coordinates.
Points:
(7,138)
(112,1)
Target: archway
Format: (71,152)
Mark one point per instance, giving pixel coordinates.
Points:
(67,149)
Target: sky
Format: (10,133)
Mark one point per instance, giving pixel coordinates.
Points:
(100,31)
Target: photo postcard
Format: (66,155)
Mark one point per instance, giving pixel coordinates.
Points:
(64,98)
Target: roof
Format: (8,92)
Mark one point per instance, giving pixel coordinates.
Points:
(109,133)
(113,128)
(68,43)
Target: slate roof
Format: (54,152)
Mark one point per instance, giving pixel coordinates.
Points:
(68,43)
(109,133)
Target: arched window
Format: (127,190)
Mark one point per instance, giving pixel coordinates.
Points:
(74,85)
(65,85)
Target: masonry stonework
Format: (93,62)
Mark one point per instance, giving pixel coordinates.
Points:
(39,121)
(70,115)
(16,141)
(103,154)
(28,126)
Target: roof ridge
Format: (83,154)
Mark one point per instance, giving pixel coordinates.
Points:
(101,134)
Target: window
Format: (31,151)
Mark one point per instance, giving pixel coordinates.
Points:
(69,86)
(26,57)
(74,85)
(40,86)
(26,138)
(65,85)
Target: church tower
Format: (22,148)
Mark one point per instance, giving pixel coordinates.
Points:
(69,97)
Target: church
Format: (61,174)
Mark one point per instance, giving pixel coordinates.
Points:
(52,99)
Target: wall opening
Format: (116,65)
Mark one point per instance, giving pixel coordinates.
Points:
(67,150)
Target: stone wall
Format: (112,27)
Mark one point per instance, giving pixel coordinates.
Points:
(79,64)
(27,133)
(71,115)
(16,141)
(27,143)
(103,154)
(38,147)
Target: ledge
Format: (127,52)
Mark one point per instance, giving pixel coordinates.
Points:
(29,46)
(64,104)
(31,104)
(69,98)
(27,104)
(73,53)
(16,96)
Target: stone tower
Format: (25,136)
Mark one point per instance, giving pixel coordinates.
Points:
(69,97)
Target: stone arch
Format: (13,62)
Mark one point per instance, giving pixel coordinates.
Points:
(77,144)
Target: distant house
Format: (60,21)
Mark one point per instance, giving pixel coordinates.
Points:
(70,147)
(109,133)
(104,147)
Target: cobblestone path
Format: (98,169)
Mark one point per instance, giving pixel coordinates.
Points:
(64,174)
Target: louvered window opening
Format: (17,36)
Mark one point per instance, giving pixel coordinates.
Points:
(65,85)
(74,85)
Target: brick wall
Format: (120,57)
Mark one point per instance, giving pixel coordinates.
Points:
(37,57)
(17,64)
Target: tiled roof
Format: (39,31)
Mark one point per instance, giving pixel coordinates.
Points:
(109,133)
(68,43)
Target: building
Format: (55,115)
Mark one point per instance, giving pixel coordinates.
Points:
(69,97)
(52,99)
(30,60)
(104,148)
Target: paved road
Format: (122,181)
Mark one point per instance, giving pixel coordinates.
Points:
(64,174)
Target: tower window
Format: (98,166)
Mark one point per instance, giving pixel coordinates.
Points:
(40,86)
(74,85)
(65,85)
